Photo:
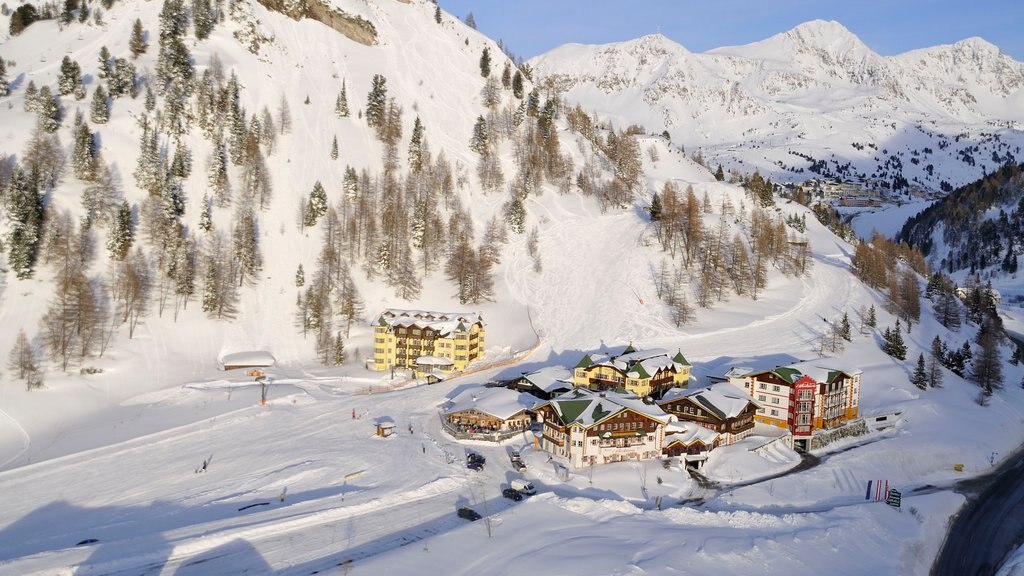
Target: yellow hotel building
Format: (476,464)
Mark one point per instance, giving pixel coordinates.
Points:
(427,341)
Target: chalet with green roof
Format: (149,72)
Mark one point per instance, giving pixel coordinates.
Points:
(588,427)
(643,373)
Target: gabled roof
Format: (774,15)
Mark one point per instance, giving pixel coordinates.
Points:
(640,364)
(586,407)
(724,400)
(442,322)
(550,378)
(823,374)
(687,433)
(501,403)
(251,358)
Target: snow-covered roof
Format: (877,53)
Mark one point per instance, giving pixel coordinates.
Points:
(501,403)
(434,361)
(550,378)
(441,322)
(723,399)
(637,363)
(688,433)
(821,373)
(586,407)
(250,358)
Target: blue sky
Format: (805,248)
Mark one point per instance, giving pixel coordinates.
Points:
(532,27)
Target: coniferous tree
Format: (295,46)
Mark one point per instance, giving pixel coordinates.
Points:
(31,97)
(655,209)
(341,104)
(317,205)
(206,214)
(122,233)
(83,159)
(202,18)
(25,217)
(418,151)
(986,368)
(517,85)
(485,62)
(106,64)
(334,148)
(844,328)
(69,77)
(871,320)
(300,277)
(47,110)
(894,345)
(122,81)
(437,14)
(936,359)
(99,110)
(376,102)
(338,351)
(5,88)
(920,375)
(245,245)
(480,141)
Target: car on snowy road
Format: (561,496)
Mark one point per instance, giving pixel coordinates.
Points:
(512,494)
(468,513)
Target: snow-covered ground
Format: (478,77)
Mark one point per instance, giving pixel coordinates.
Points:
(102,471)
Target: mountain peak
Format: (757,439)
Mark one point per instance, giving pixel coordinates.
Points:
(827,35)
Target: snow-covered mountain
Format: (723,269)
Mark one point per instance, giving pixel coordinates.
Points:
(813,100)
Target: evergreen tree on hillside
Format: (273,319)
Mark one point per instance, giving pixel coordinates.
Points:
(894,345)
(69,77)
(341,104)
(480,141)
(5,88)
(936,359)
(122,81)
(485,62)
(419,154)
(986,369)
(284,115)
(871,321)
(844,328)
(25,218)
(47,110)
(376,101)
(437,14)
(137,42)
(31,97)
(920,376)
(334,148)
(83,158)
(517,85)
(106,64)
(99,110)
(202,19)
(317,205)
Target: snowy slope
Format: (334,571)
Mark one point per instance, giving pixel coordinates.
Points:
(104,466)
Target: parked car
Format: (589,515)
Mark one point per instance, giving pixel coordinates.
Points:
(474,457)
(468,513)
(519,465)
(514,455)
(512,494)
(523,487)
(475,466)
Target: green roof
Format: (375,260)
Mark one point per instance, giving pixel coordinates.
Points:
(585,362)
(790,375)
(680,359)
(629,349)
(639,369)
(599,413)
(571,409)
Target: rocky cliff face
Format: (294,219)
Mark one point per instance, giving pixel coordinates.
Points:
(351,26)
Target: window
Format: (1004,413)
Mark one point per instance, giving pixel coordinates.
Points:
(775,399)
(761,397)
(775,388)
(378,350)
(775,412)
(762,386)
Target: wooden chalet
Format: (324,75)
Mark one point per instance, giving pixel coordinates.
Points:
(722,407)
(689,442)
(545,383)
(588,427)
(643,373)
(489,411)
